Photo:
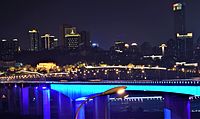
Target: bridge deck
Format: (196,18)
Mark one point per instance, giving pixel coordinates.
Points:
(78,89)
(121,82)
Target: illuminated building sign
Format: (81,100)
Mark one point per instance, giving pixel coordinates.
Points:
(33,31)
(186,64)
(177,6)
(119,42)
(188,35)
(72,34)
(134,44)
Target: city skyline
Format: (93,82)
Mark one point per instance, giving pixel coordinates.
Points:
(126,21)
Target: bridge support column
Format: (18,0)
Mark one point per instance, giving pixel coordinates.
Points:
(65,107)
(176,106)
(101,108)
(98,108)
(46,104)
(38,101)
(81,114)
(25,101)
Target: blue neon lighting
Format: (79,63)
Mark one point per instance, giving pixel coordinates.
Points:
(46,104)
(167,113)
(25,101)
(77,90)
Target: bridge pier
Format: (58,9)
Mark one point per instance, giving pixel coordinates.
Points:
(98,108)
(82,112)
(101,107)
(38,101)
(24,101)
(46,104)
(65,110)
(176,106)
(12,102)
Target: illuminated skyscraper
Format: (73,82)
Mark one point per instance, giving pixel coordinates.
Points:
(71,38)
(184,40)
(184,46)
(34,38)
(48,42)
(179,17)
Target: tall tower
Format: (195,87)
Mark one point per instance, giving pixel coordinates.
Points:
(34,38)
(179,17)
(184,39)
(85,42)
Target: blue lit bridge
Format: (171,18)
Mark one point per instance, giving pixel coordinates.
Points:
(176,93)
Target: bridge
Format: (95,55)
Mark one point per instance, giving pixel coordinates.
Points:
(74,89)
(176,93)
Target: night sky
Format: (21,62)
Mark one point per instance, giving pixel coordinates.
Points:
(106,20)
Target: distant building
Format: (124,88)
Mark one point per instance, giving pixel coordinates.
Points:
(134,48)
(179,17)
(8,49)
(34,40)
(171,48)
(85,42)
(120,46)
(184,40)
(63,33)
(72,39)
(46,66)
(124,53)
(185,46)
(48,42)
(197,50)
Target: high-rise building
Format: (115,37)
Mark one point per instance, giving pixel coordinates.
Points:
(63,32)
(171,48)
(48,42)
(179,16)
(85,40)
(34,39)
(184,40)
(185,46)
(8,49)
(120,47)
(71,38)
(197,50)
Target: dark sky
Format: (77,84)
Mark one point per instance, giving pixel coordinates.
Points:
(106,20)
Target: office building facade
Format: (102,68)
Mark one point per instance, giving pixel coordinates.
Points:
(184,40)
(8,49)
(34,40)
(48,42)
(72,39)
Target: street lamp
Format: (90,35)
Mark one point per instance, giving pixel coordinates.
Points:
(117,90)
